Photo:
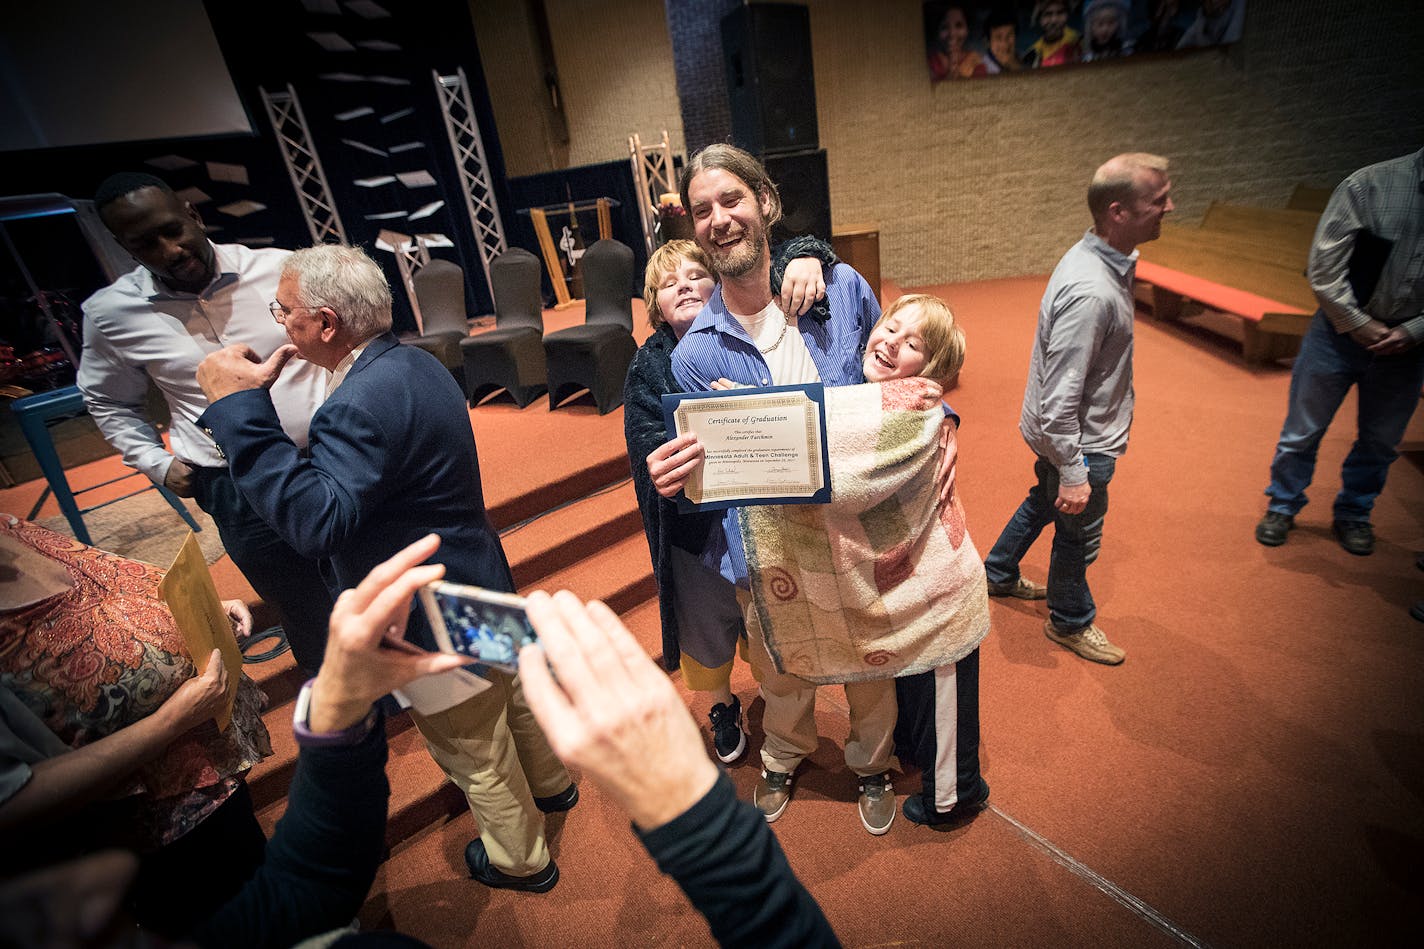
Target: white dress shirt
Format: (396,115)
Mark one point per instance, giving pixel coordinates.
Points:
(343,368)
(138,329)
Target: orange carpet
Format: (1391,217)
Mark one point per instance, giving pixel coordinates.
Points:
(1252,775)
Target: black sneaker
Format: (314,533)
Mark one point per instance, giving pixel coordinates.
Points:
(1273,528)
(557,803)
(477,861)
(917,813)
(727,736)
(1357,537)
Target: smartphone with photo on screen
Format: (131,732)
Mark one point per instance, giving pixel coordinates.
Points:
(488,626)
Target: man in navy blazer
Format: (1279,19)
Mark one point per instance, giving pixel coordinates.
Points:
(391,458)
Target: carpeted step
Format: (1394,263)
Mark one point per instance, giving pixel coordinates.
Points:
(421,795)
(558,539)
(269,780)
(546,495)
(593,544)
(280,679)
(620,574)
(645,622)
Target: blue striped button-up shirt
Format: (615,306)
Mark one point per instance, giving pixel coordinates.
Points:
(717,347)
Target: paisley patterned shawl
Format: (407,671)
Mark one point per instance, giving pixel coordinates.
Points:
(107,653)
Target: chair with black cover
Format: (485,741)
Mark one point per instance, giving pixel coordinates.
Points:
(595,356)
(510,356)
(440,292)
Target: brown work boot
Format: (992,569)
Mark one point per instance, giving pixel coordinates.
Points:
(1020,589)
(1088,642)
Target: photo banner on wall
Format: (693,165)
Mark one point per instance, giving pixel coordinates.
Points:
(965,40)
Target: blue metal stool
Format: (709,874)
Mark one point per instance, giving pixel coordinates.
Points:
(34,413)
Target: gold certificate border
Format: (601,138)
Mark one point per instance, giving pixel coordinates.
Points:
(693,489)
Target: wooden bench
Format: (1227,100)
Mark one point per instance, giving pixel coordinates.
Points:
(1284,226)
(1271,329)
(1273,270)
(1242,261)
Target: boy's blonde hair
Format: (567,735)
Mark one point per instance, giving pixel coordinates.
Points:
(942,335)
(665,260)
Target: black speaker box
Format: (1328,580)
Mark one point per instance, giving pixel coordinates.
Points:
(771,87)
(801,180)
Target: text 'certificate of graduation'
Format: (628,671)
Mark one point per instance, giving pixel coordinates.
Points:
(763,446)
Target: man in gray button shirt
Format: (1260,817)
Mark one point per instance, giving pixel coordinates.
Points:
(1077,406)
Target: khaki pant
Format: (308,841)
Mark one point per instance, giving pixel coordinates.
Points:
(789,720)
(491,747)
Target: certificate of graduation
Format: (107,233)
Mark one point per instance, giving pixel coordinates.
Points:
(763,446)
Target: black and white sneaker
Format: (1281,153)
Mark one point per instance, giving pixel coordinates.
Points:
(727,736)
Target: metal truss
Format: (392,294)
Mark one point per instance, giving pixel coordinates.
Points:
(303,165)
(411,254)
(469,150)
(653,173)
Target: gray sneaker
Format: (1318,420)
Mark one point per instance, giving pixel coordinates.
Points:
(772,794)
(877,803)
(1020,589)
(1088,642)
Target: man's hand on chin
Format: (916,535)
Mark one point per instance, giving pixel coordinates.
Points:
(236,368)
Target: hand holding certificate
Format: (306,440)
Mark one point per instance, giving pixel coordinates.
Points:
(762,446)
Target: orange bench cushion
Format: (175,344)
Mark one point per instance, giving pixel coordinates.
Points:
(1246,305)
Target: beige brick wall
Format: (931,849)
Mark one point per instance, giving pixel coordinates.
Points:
(615,66)
(986,178)
(615,71)
(509,55)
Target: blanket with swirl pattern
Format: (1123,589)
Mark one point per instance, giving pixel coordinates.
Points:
(883,581)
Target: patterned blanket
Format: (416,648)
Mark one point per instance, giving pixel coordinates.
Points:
(883,581)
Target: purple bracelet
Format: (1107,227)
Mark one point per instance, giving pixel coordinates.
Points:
(306,738)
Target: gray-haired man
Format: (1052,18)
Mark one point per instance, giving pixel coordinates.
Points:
(392,458)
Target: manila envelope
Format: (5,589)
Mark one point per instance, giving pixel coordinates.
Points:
(188,590)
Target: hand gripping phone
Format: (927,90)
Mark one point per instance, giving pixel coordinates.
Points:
(486,625)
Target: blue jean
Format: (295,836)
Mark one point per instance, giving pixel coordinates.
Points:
(1076,541)
(1328,365)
